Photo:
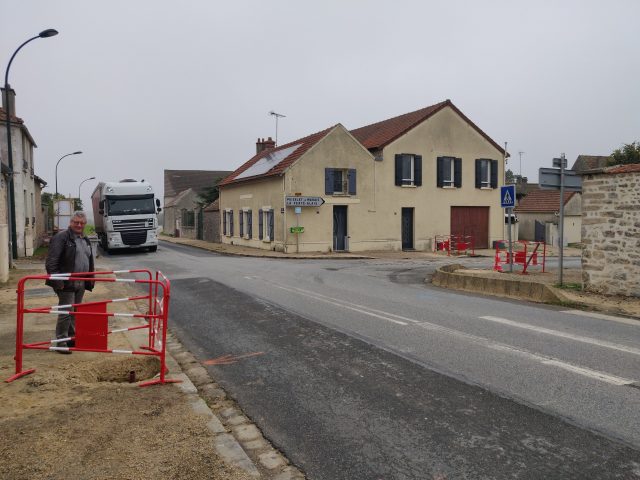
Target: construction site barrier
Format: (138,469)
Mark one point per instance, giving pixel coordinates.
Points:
(524,253)
(92,319)
(455,244)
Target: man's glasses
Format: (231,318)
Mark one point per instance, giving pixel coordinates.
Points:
(78,223)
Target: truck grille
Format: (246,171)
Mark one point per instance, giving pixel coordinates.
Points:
(137,237)
(124,225)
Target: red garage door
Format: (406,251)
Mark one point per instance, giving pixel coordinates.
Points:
(471,221)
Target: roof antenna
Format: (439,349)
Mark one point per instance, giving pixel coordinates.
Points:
(277,115)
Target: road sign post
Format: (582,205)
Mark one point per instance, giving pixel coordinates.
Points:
(508,201)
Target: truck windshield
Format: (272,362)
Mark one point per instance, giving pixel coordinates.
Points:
(130,205)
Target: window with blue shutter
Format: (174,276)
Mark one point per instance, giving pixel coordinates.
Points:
(352,181)
(231,223)
(260,225)
(249,224)
(241,223)
(271,236)
(408,169)
(328,181)
(448,172)
(339,181)
(457,172)
(224,222)
(486,173)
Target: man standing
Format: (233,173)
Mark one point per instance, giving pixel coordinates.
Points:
(69,252)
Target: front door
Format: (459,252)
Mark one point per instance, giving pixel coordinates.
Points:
(407,228)
(339,228)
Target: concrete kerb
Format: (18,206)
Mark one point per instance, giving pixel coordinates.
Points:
(447,276)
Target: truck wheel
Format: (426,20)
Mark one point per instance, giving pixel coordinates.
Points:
(153,249)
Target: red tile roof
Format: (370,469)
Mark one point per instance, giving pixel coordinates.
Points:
(547,201)
(631,168)
(380,134)
(304,145)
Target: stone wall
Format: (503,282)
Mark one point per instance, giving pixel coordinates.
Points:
(611,233)
(212,226)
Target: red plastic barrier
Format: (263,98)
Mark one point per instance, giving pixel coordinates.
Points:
(92,320)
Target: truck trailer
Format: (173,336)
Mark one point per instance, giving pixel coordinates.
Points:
(126,215)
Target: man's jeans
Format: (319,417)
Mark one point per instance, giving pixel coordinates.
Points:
(66,325)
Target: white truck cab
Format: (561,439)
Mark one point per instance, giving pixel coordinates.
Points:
(125,215)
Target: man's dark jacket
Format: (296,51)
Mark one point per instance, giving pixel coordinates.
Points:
(61,259)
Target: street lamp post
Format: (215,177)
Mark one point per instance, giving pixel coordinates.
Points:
(11,211)
(85,180)
(74,153)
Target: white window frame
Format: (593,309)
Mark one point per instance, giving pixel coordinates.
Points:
(452,172)
(265,224)
(409,182)
(485,182)
(228,221)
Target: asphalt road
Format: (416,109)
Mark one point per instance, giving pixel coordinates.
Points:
(356,369)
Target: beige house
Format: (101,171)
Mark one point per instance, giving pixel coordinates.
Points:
(539,215)
(392,185)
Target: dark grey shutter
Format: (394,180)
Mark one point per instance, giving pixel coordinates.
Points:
(399,169)
(328,181)
(249,224)
(224,222)
(260,225)
(417,170)
(231,223)
(271,225)
(457,172)
(241,222)
(440,172)
(352,181)
(478,173)
(494,174)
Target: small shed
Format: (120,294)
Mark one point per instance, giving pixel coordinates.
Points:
(538,216)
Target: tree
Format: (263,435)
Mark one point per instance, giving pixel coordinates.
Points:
(629,153)
(509,177)
(210,194)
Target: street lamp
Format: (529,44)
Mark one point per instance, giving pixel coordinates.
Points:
(11,213)
(85,180)
(74,153)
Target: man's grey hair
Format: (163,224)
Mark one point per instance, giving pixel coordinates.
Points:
(80,214)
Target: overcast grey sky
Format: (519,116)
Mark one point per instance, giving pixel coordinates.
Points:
(140,86)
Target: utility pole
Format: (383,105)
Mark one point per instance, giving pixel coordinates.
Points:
(561,232)
(277,115)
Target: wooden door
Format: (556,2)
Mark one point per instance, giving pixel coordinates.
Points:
(472,221)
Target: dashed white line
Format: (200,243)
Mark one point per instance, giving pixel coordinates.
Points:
(570,336)
(602,316)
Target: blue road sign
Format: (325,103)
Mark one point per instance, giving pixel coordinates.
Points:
(508,196)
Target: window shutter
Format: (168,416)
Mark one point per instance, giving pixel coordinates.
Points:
(352,181)
(417,170)
(260,224)
(457,172)
(271,225)
(231,223)
(224,222)
(478,173)
(241,222)
(494,174)
(328,181)
(440,172)
(398,169)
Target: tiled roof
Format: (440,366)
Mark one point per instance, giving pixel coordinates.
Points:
(631,168)
(589,162)
(380,134)
(176,181)
(304,144)
(213,206)
(543,201)
(3,117)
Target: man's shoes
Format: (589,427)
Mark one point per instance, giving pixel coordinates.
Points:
(65,352)
(64,344)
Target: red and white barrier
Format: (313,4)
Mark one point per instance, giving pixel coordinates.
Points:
(92,318)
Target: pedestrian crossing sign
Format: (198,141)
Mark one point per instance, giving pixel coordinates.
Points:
(508,196)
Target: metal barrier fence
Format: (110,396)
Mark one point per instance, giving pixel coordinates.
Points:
(522,254)
(455,244)
(92,319)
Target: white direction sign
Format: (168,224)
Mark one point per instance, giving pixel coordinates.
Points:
(508,196)
(303,201)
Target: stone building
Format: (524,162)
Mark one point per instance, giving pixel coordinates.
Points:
(211,222)
(611,230)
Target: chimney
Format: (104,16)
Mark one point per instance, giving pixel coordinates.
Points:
(262,144)
(12,100)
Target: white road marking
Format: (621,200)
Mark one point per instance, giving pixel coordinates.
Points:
(542,359)
(570,336)
(602,316)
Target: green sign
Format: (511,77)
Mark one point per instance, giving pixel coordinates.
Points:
(296,229)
